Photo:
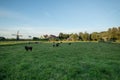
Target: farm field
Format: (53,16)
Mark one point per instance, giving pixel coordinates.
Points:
(78,61)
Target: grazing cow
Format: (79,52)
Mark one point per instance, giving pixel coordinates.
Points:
(69,43)
(27,48)
(53,44)
(57,44)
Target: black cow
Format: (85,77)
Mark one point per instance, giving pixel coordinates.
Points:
(27,48)
(69,43)
(56,44)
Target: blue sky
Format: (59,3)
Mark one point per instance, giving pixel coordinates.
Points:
(38,17)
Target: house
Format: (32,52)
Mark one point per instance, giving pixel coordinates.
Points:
(53,38)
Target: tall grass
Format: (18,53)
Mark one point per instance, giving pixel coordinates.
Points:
(79,61)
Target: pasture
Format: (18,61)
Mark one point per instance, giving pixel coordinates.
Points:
(78,61)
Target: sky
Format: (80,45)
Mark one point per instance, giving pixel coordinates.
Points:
(39,17)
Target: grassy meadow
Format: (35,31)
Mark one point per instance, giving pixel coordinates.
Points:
(78,61)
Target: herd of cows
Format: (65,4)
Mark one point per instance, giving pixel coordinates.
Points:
(29,48)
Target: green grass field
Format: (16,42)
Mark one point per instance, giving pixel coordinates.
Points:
(78,61)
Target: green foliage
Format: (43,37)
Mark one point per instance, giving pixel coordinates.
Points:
(81,36)
(78,61)
(36,38)
(74,37)
(95,36)
(63,36)
(86,36)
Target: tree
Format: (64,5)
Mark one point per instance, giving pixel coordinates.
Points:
(118,33)
(61,36)
(74,37)
(95,36)
(65,36)
(36,38)
(45,36)
(86,36)
(103,36)
(81,36)
(112,33)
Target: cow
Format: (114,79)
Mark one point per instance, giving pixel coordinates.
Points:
(69,43)
(27,48)
(56,44)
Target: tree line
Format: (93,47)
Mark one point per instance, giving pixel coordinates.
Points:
(112,34)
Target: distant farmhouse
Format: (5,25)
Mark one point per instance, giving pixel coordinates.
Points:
(53,38)
(50,37)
